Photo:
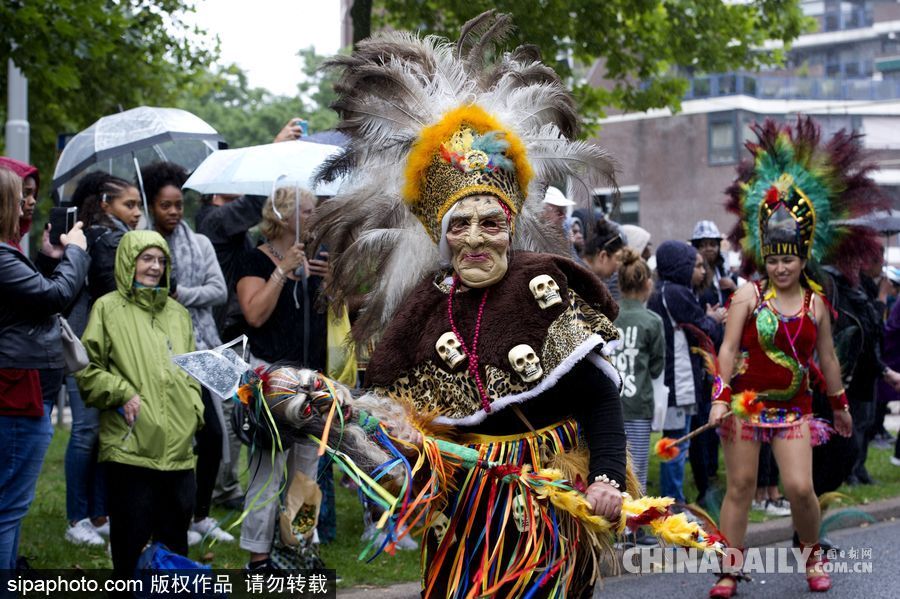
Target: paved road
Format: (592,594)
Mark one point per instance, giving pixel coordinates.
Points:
(882,582)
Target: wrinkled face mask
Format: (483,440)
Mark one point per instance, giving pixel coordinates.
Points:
(478,238)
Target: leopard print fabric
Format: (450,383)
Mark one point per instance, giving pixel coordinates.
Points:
(430,388)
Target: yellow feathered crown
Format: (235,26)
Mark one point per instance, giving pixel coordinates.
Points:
(467,152)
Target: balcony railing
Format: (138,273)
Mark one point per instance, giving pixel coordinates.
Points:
(770,87)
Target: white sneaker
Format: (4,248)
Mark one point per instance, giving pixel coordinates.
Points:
(895,461)
(194,538)
(210,528)
(103,529)
(83,533)
(778,507)
(758,505)
(407,543)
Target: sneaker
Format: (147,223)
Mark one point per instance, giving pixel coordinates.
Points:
(645,539)
(264,565)
(895,461)
(84,533)
(759,506)
(778,507)
(210,528)
(407,543)
(103,529)
(194,538)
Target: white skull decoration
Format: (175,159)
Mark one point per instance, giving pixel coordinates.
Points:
(545,291)
(520,515)
(449,350)
(439,526)
(525,361)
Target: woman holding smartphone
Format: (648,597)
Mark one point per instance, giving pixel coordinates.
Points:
(31,358)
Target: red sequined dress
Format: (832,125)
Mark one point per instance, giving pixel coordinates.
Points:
(775,359)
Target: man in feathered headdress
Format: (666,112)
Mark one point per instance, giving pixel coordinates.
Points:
(481,340)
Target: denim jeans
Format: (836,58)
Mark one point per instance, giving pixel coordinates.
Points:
(85,477)
(671,473)
(24,440)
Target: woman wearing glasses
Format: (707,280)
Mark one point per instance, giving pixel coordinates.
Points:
(151,409)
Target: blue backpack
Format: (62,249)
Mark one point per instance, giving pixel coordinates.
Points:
(158,561)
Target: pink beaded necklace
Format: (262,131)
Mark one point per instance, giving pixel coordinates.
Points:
(473,354)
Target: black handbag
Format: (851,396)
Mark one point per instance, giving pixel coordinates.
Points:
(251,426)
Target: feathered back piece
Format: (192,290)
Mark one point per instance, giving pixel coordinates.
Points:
(797,194)
(431,122)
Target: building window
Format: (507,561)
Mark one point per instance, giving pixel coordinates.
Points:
(626,211)
(722,138)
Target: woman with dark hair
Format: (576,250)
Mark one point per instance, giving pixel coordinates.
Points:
(603,255)
(777,324)
(109,207)
(31,358)
(201,286)
(31,184)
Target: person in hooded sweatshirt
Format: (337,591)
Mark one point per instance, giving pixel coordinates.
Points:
(31,184)
(679,268)
(150,408)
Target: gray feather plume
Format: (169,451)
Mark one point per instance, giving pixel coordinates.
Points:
(393,86)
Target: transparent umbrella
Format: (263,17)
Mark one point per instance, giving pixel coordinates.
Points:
(254,170)
(121,143)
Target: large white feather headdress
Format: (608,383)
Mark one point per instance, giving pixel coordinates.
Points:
(395,90)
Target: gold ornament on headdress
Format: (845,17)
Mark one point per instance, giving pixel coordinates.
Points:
(787,220)
(468,152)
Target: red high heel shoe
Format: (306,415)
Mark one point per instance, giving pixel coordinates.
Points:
(816,577)
(730,572)
(724,591)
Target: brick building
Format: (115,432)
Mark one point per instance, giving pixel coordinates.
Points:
(674,168)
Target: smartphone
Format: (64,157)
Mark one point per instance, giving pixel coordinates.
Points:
(304,126)
(61,221)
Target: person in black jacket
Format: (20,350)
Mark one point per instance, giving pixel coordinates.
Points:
(680,267)
(109,207)
(226,221)
(857,339)
(31,359)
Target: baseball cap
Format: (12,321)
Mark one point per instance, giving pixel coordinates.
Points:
(555,197)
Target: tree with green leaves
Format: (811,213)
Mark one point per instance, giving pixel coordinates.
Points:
(247,116)
(88,58)
(645,49)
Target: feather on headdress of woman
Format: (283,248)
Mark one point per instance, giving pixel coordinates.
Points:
(431,122)
(797,194)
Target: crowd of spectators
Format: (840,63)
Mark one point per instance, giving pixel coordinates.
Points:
(139,288)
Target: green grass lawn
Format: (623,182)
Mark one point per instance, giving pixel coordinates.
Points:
(44,528)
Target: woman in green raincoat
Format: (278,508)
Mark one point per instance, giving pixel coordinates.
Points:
(151,409)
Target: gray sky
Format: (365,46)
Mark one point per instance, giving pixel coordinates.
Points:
(263,36)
